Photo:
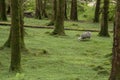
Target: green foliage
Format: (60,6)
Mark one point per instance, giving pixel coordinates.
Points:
(112,11)
(87,13)
(67,58)
(29,5)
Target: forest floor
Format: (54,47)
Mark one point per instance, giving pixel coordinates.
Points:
(66,57)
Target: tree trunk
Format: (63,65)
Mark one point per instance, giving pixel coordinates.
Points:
(115,71)
(15,65)
(8,9)
(3,16)
(54,13)
(74,14)
(38,10)
(66,9)
(97,11)
(104,22)
(44,13)
(59,23)
(22,31)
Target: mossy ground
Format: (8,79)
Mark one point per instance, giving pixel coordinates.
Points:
(66,57)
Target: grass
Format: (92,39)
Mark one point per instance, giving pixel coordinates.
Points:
(82,25)
(67,58)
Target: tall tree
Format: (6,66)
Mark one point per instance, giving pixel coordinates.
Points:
(3,16)
(97,11)
(38,9)
(15,36)
(104,21)
(74,14)
(115,71)
(59,23)
(54,13)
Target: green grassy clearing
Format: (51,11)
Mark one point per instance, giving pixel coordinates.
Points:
(67,58)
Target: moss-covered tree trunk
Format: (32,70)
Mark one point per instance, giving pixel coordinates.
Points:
(7,43)
(38,9)
(15,65)
(3,16)
(97,11)
(104,21)
(53,18)
(115,71)
(59,23)
(74,13)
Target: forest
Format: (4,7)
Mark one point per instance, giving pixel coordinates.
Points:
(59,39)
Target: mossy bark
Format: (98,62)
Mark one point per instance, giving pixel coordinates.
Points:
(115,71)
(104,21)
(74,13)
(3,16)
(15,65)
(97,11)
(59,23)
(38,9)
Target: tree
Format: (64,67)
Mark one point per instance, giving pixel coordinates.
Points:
(115,71)
(54,13)
(38,9)
(15,36)
(59,22)
(66,9)
(3,16)
(44,13)
(104,21)
(74,14)
(97,11)
(7,43)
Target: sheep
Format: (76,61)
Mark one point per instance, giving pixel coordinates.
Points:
(85,35)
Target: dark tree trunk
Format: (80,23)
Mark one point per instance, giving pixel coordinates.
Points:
(74,14)
(15,65)
(3,16)
(22,30)
(44,12)
(8,9)
(54,13)
(66,9)
(38,10)
(104,22)
(97,11)
(115,71)
(59,23)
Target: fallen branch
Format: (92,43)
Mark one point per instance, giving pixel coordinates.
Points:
(49,27)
